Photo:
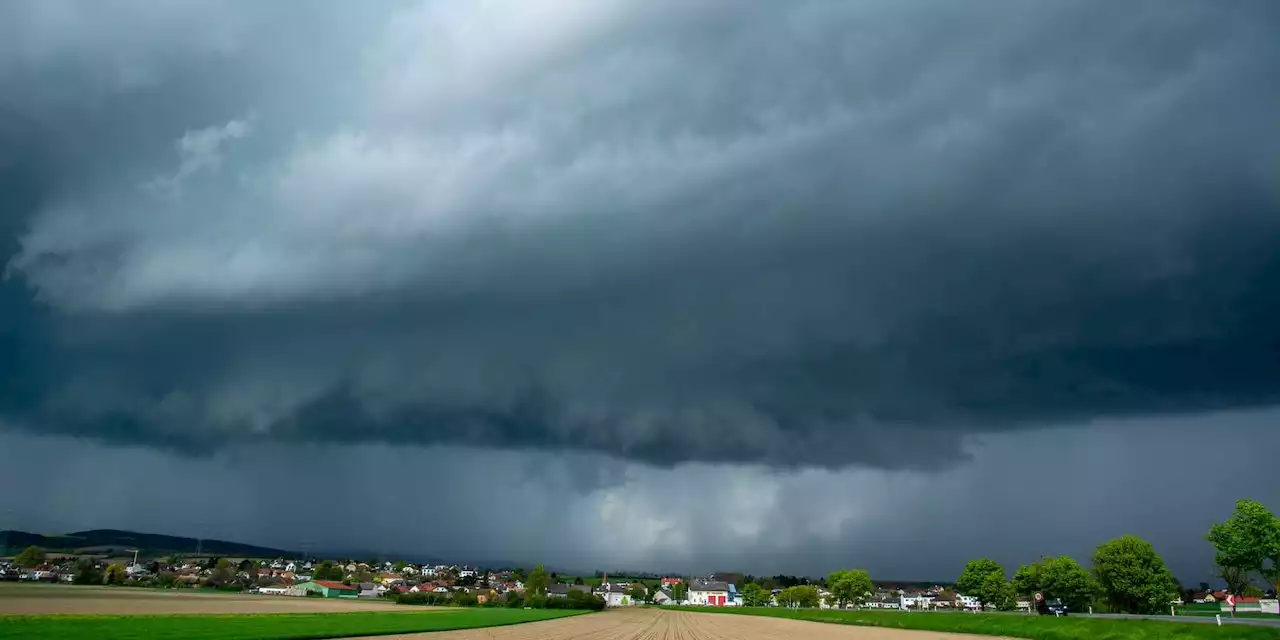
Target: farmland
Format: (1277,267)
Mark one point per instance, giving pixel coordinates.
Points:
(41,599)
(1013,626)
(42,611)
(655,624)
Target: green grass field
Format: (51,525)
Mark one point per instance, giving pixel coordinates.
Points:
(1014,626)
(288,626)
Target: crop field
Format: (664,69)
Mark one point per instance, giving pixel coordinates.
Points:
(661,624)
(105,613)
(40,599)
(281,626)
(1013,626)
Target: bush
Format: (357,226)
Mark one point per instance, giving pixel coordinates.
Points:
(426,598)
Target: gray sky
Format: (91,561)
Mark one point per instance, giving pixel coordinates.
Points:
(782,287)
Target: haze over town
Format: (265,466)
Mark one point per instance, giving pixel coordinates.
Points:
(661,286)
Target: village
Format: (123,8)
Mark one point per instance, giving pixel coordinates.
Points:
(462,584)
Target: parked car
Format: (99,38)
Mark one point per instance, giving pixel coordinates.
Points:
(1051,607)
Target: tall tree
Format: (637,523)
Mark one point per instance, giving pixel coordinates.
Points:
(678,591)
(327,571)
(984,579)
(536,584)
(1249,540)
(754,595)
(30,557)
(1132,576)
(222,573)
(799,596)
(1057,577)
(86,572)
(1237,578)
(849,586)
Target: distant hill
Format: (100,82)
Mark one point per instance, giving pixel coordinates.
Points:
(152,544)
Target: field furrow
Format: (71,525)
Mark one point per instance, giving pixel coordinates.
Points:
(656,624)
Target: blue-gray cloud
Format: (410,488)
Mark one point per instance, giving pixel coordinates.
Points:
(817,233)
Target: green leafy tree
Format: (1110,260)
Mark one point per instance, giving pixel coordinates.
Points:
(1132,577)
(679,591)
(1252,592)
(754,595)
(1057,577)
(327,571)
(849,586)
(984,579)
(518,574)
(1237,578)
(638,593)
(536,584)
(114,574)
(578,580)
(400,566)
(805,596)
(1249,540)
(222,574)
(30,557)
(86,572)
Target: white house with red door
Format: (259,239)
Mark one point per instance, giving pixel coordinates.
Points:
(708,594)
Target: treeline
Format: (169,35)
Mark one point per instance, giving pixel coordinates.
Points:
(511,600)
(1128,576)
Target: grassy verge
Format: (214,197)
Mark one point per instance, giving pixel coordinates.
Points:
(269,626)
(1030,627)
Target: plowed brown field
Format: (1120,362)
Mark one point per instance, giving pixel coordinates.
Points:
(655,624)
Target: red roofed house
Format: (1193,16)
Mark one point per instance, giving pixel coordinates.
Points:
(667,582)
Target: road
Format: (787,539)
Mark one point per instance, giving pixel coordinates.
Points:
(1226,619)
(655,624)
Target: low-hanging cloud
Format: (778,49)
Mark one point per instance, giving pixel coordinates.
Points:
(818,233)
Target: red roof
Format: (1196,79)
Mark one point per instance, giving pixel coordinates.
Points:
(329,584)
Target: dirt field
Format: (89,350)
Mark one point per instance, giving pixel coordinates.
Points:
(51,599)
(653,624)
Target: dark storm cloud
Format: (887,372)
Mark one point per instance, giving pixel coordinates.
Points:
(1060,491)
(807,234)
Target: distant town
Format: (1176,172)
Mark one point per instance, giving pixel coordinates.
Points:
(1053,585)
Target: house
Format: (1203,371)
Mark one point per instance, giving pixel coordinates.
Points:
(1243,604)
(670,582)
(466,572)
(370,590)
(917,600)
(662,597)
(969,603)
(884,601)
(562,590)
(615,595)
(330,589)
(708,593)
(291,566)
